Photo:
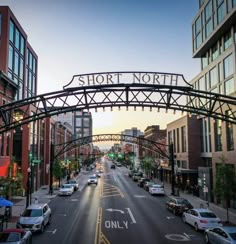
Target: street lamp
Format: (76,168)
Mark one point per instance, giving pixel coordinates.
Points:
(28,187)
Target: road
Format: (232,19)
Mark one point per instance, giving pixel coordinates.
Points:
(115,211)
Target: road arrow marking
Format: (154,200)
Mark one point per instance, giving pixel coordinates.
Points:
(115,210)
(53,231)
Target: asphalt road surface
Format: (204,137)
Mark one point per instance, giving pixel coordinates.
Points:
(115,211)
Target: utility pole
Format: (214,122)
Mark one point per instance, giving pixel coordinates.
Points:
(171,152)
(51,168)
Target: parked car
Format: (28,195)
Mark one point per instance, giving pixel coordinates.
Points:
(119,165)
(35,217)
(93,180)
(141,181)
(147,184)
(131,172)
(16,236)
(66,190)
(74,183)
(201,219)
(178,205)
(156,189)
(221,235)
(113,166)
(137,176)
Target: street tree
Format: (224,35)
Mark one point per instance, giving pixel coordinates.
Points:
(225,186)
(58,171)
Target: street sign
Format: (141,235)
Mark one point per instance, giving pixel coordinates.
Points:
(36,161)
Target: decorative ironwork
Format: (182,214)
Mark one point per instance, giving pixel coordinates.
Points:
(135,95)
(159,148)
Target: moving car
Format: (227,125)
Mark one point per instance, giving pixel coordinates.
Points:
(66,190)
(98,173)
(93,180)
(224,234)
(74,183)
(156,189)
(119,165)
(113,166)
(201,219)
(142,181)
(35,217)
(178,205)
(16,236)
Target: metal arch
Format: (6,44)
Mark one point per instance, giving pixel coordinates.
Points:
(176,98)
(159,148)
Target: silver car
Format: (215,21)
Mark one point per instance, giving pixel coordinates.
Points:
(35,217)
(221,235)
(16,236)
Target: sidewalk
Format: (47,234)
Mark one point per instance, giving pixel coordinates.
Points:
(19,203)
(197,202)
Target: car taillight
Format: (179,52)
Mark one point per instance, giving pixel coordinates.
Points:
(203,221)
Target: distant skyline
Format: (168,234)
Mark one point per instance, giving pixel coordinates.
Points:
(76,37)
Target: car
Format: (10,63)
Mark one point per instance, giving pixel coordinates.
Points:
(113,166)
(98,173)
(141,181)
(156,189)
(201,218)
(93,180)
(74,183)
(35,217)
(131,172)
(224,234)
(178,205)
(147,184)
(137,176)
(66,190)
(119,165)
(16,236)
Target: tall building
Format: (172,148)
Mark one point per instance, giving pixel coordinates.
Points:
(19,62)
(213,41)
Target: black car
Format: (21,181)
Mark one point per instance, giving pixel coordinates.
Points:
(178,205)
(147,184)
(113,166)
(142,181)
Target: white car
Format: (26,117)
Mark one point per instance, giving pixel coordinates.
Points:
(201,218)
(156,189)
(93,180)
(66,190)
(74,183)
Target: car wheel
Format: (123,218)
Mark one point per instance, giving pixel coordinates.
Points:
(207,238)
(42,228)
(184,219)
(196,227)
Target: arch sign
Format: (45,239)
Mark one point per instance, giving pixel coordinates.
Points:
(111,78)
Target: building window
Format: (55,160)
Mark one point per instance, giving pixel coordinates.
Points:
(184,164)
(198,33)
(0,24)
(213,77)
(220,71)
(183,138)
(174,137)
(229,134)
(208,20)
(10,58)
(177,140)
(234,3)
(229,86)
(204,62)
(11,32)
(227,40)
(202,84)
(215,52)
(228,66)
(220,11)
(218,135)
(170,138)
(201,3)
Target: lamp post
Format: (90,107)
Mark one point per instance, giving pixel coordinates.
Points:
(28,187)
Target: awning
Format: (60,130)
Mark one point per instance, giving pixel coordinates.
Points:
(4,164)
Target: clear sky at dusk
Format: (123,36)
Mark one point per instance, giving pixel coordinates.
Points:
(85,36)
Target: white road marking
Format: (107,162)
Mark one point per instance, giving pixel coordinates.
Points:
(170,217)
(177,237)
(131,216)
(110,224)
(52,231)
(74,200)
(140,196)
(115,210)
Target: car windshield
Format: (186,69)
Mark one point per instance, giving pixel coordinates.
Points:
(207,215)
(92,177)
(72,182)
(157,186)
(9,237)
(32,213)
(66,186)
(183,201)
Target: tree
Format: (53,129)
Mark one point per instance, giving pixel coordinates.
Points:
(225,186)
(57,171)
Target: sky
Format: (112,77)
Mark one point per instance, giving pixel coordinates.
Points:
(86,36)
